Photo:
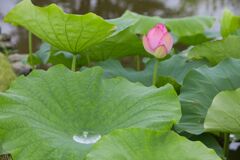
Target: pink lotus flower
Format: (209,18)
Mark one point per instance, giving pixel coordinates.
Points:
(158,41)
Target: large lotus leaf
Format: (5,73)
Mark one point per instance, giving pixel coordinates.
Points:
(6,73)
(199,88)
(145,144)
(58,114)
(174,68)
(113,68)
(120,44)
(122,23)
(123,44)
(229,23)
(185,29)
(67,32)
(144,23)
(191,30)
(198,38)
(177,67)
(217,51)
(189,26)
(224,113)
(210,141)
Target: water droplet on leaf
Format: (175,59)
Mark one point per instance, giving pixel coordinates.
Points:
(87,138)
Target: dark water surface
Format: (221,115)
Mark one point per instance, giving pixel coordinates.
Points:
(115,8)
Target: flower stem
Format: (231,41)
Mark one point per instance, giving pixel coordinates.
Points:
(74,63)
(30,52)
(226,145)
(155,73)
(138,63)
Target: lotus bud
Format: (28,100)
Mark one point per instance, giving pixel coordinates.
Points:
(158,41)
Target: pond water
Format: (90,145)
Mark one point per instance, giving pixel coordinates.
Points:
(115,8)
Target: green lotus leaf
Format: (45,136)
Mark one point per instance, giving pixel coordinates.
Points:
(185,29)
(50,55)
(142,144)
(62,57)
(59,114)
(118,46)
(41,56)
(6,73)
(224,113)
(189,26)
(68,32)
(144,23)
(121,45)
(122,23)
(198,38)
(229,23)
(217,51)
(173,69)
(210,141)
(199,88)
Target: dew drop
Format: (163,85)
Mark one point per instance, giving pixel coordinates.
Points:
(87,138)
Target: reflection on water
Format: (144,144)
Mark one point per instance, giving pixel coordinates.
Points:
(114,8)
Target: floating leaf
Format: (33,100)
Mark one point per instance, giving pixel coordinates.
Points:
(58,113)
(217,51)
(142,144)
(199,88)
(229,23)
(67,32)
(224,113)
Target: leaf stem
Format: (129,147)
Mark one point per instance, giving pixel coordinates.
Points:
(30,51)
(74,63)
(155,73)
(88,60)
(138,63)
(226,145)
